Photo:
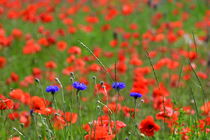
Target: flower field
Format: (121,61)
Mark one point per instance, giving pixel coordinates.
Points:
(104,69)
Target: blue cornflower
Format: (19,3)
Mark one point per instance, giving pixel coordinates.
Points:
(52,89)
(135,95)
(118,85)
(79,86)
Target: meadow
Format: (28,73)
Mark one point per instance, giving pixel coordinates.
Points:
(104,70)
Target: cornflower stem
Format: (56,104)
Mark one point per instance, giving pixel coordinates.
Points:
(135,104)
(115,124)
(118,97)
(78,105)
(54,103)
(53,99)
(79,109)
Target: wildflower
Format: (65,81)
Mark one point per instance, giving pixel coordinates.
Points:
(3,61)
(52,89)
(37,103)
(118,85)
(25,118)
(135,95)
(79,86)
(13,116)
(148,126)
(50,65)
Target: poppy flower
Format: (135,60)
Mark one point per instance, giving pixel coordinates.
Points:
(6,104)
(148,126)
(129,112)
(37,103)
(102,88)
(13,115)
(104,128)
(111,14)
(61,45)
(113,107)
(127,9)
(25,118)
(15,138)
(50,65)
(206,108)
(17,33)
(59,122)
(2,61)
(14,77)
(74,50)
(71,117)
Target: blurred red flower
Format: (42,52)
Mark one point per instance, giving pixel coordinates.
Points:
(148,126)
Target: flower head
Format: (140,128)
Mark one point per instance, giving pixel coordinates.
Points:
(118,85)
(79,86)
(52,89)
(148,126)
(135,95)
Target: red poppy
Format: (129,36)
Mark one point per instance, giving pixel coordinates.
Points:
(31,47)
(6,104)
(25,118)
(46,17)
(2,61)
(95,68)
(70,117)
(15,138)
(129,112)
(104,89)
(202,75)
(20,95)
(74,50)
(14,77)
(148,126)
(17,33)
(111,14)
(44,42)
(135,61)
(37,103)
(103,128)
(61,45)
(127,9)
(92,19)
(161,90)
(166,112)
(37,73)
(206,108)
(113,107)
(113,43)
(13,115)
(59,122)
(50,65)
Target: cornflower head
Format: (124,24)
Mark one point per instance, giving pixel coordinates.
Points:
(135,95)
(79,86)
(52,89)
(118,85)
